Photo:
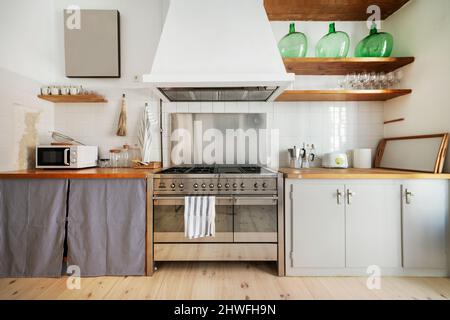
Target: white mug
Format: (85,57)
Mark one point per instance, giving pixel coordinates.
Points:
(55,90)
(74,90)
(65,90)
(45,91)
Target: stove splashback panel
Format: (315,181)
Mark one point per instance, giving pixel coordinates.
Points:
(194,126)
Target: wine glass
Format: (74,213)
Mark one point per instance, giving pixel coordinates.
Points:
(391,79)
(365,80)
(352,78)
(373,80)
(382,81)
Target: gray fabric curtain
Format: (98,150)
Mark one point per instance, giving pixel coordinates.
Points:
(32,219)
(106,226)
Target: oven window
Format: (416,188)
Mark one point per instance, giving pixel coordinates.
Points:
(52,157)
(255,223)
(168,222)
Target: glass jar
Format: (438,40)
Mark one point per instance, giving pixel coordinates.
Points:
(294,44)
(125,156)
(103,163)
(376,44)
(335,44)
(114,158)
(134,154)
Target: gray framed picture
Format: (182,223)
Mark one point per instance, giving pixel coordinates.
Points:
(92,43)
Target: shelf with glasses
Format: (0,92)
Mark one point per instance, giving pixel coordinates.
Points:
(342,95)
(78,98)
(326,10)
(343,66)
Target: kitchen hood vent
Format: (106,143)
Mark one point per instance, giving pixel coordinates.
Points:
(218,94)
(217,50)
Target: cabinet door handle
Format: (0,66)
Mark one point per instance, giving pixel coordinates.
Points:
(350,194)
(408,195)
(338,196)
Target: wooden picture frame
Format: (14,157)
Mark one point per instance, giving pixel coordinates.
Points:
(437,154)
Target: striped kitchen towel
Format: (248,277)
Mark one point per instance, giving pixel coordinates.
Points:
(199,216)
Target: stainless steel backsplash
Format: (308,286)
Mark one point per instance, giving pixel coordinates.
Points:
(203,132)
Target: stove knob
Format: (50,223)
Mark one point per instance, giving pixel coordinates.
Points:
(235,185)
(219,185)
(256,185)
(181,186)
(264,185)
(211,185)
(172,185)
(195,185)
(227,185)
(242,185)
(203,185)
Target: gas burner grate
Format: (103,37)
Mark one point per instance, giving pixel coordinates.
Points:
(221,169)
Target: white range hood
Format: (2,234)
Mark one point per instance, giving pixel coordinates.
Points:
(217,50)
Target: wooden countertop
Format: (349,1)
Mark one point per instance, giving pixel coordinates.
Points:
(323,173)
(130,173)
(90,173)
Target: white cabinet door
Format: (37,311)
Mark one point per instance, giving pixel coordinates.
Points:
(373,223)
(424,224)
(317,226)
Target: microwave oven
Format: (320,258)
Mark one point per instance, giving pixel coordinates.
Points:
(66,157)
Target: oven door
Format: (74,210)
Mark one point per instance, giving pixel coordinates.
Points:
(52,157)
(255,219)
(168,220)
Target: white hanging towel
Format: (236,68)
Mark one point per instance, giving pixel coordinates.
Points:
(199,216)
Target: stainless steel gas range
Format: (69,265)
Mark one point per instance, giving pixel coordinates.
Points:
(249,214)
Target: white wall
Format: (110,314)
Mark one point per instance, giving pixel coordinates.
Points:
(26,61)
(27,38)
(421,29)
(330,126)
(140,23)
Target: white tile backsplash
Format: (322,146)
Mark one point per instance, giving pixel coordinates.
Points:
(331,126)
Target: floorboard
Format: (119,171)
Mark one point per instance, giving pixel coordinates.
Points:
(224,280)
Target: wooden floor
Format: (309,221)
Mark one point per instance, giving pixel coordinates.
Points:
(216,280)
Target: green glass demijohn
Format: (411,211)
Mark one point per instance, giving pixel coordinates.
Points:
(335,44)
(294,44)
(376,44)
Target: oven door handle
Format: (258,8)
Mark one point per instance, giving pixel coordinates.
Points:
(178,201)
(255,201)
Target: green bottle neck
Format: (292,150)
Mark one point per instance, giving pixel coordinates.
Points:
(292,28)
(332,28)
(373,30)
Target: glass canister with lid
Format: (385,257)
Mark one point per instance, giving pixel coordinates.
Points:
(125,156)
(114,158)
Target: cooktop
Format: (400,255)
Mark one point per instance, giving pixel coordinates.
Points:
(217,169)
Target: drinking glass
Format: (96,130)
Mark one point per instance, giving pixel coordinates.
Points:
(373,80)
(352,79)
(391,80)
(365,79)
(382,81)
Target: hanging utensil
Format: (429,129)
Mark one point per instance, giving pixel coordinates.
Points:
(59,137)
(122,126)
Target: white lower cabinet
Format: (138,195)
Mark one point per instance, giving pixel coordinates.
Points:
(340,227)
(373,224)
(317,224)
(425,214)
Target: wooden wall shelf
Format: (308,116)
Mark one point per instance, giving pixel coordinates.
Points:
(343,66)
(326,10)
(342,95)
(80,98)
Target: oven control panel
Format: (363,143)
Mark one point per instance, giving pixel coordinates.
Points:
(215,186)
